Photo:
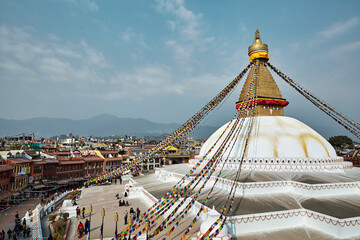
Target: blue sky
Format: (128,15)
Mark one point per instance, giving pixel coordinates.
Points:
(163,60)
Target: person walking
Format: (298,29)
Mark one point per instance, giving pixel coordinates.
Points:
(126,217)
(80,229)
(78,212)
(137,212)
(9,233)
(83,212)
(120,180)
(24,230)
(87,226)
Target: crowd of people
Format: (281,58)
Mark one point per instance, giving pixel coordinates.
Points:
(112,180)
(80,212)
(20,230)
(83,229)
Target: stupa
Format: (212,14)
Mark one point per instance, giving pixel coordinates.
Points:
(277,143)
(292,185)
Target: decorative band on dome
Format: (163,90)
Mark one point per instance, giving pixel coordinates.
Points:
(258,54)
(281,102)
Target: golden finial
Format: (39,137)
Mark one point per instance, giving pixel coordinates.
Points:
(257,37)
(258,49)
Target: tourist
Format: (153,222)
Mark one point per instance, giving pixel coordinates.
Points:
(120,203)
(132,214)
(28,231)
(125,218)
(127,203)
(123,203)
(14,233)
(120,180)
(80,229)
(78,212)
(3,234)
(83,212)
(9,233)
(87,226)
(137,212)
(24,230)
(125,194)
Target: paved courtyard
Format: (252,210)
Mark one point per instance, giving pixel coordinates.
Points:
(104,197)
(7,216)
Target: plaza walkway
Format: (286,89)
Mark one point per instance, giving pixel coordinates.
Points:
(104,197)
(7,216)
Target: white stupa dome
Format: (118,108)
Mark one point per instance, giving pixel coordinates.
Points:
(276,143)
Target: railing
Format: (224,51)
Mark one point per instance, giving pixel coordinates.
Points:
(256,188)
(40,212)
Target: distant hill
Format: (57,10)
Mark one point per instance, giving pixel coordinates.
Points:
(100,126)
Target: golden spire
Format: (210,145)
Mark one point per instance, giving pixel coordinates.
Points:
(269,98)
(258,49)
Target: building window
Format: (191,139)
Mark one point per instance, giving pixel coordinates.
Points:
(37,169)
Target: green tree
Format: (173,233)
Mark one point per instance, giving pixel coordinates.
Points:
(341,141)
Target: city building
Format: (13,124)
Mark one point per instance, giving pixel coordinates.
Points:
(94,166)
(5,187)
(112,160)
(20,175)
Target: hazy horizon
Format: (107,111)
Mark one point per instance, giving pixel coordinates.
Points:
(164,60)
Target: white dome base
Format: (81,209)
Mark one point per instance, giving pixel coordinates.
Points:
(276,143)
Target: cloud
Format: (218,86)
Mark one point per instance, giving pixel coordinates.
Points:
(11,67)
(25,58)
(188,25)
(128,35)
(172,24)
(93,56)
(141,83)
(87,4)
(339,28)
(92,6)
(341,53)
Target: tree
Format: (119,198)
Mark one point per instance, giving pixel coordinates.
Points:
(341,141)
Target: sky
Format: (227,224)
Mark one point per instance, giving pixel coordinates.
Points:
(163,60)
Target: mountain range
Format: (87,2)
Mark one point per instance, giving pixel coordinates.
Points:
(99,126)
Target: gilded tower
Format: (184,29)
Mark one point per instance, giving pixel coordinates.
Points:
(269,100)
